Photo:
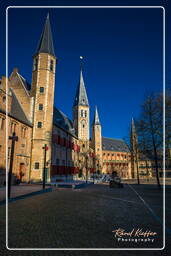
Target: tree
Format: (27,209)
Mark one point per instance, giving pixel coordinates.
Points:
(168,126)
(85,156)
(150,127)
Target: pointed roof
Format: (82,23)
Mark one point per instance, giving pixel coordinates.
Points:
(96,120)
(133,126)
(81,95)
(46,42)
(17,111)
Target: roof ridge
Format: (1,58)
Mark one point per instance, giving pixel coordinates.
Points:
(112,138)
(23,83)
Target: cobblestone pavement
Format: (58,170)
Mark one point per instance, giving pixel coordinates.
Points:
(85,218)
(19,190)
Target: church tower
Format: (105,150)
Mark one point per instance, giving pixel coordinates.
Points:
(97,139)
(134,151)
(81,113)
(43,80)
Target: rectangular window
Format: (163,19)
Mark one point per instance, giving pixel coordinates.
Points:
(82,113)
(39,125)
(13,127)
(36,165)
(57,161)
(51,65)
(9,152)
(35,64)
(41,89)
(23,132)
(40,106)
(2,120)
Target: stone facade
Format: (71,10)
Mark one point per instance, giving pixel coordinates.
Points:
(36,122)
(23,129)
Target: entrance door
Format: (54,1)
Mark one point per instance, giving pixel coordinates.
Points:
(22,172)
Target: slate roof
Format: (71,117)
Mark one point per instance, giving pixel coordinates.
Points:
(81,94)
(46,42)
(96,117)
(61,120)
(17,111)
(117,145)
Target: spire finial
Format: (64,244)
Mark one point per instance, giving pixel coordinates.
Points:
(81,63)
(96,117)
(132,125)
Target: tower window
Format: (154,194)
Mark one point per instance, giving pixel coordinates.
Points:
(39,125)
(35,64)
(82,113)
(51,65)
(83,125)
(85,113)
(4,99)
(36,165)
(41,89)
(40,106)
(2,123)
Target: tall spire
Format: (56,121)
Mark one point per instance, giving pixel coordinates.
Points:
(133,126)
(81,95)
(46,42)
(96,120)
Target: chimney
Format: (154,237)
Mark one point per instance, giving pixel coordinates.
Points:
(15,70)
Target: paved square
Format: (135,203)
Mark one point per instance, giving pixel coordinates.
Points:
(85,218)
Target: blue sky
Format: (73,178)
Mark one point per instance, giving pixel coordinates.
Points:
(122,51)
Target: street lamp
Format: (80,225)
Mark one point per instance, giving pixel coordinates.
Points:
(14,138)
(44,168)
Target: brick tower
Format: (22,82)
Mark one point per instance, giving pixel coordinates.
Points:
(81,114)
(43,80)
(97,139)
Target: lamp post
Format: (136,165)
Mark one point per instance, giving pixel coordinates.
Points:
(14,138)
(44,168)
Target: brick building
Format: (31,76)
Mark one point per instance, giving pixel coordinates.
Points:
(36,122)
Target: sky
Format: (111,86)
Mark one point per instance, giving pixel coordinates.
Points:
(122,50)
